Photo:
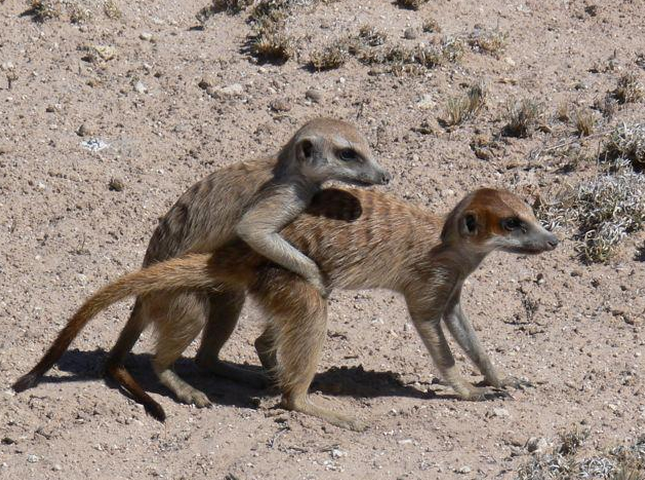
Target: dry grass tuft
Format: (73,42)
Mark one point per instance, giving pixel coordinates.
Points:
(112,10)
(330,57)
(604,210)
(522,118)
(79,13)
(627,141)
(401,59)
(430,25)
(371,36)
(563,112)
(42,10)
(621,463)
(464,107)
(629,89)
(584,122)
(488,41)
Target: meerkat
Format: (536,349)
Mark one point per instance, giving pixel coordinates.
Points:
(360,240)
(252,201)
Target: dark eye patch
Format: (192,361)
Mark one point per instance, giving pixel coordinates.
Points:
(348,155)
(512,223)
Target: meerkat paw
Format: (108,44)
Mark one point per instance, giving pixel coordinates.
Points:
(192,396)
(480,394)
(338,419)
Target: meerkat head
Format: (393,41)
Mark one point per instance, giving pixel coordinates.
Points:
(490,219)
(327,149)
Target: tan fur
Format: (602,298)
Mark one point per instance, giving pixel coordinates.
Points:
(254,201)
(360,240)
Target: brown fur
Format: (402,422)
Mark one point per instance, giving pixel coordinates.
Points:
(360,240)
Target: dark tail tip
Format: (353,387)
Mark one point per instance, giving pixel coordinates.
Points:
(25,382)
(155,411)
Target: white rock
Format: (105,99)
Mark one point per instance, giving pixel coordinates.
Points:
(465,469)
(338,453)
(32,458)
(501,412)
(140,87)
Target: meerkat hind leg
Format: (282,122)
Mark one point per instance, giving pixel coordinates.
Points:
(225,309)
(298,325)
(177,327)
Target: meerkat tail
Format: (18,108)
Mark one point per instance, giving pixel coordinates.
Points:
(189,272)
(120,375)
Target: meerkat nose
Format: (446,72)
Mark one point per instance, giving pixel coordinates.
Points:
(385,178)
(553,241)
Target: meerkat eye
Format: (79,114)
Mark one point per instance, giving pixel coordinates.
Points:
(348,155)
(512,223)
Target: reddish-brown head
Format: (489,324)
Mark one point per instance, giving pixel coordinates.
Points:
(490,219)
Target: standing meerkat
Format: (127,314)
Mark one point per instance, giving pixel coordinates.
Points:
(360,240)
(252,200)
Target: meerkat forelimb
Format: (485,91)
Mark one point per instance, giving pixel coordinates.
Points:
(360,240)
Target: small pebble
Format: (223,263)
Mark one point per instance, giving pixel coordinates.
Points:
(32,458)
(314,95)
(410,33)
(338,453)
(501,413)
(280,105)
(536,444)
(116,185)
(146,36)
(57,467)
(140,87)
(84,131)
(465,469)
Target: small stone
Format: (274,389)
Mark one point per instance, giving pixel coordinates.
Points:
(536,444)
(205,83)
(32,458)
(57,467)
(338,453)
(280,105)
(314,95)
(116,185)
(465,469)
(501,413)
(139,87)
(233,90)
(105,52)
(84,131)
(410,34)
(7,66)
(426,102)
(145,36)
(510,61)
(540,279)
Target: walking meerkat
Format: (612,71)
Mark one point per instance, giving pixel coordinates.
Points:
(360,240)
(252,200)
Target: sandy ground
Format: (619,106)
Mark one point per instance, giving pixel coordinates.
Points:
(64,232)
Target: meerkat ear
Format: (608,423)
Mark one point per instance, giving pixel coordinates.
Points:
(468,225)
(305,150)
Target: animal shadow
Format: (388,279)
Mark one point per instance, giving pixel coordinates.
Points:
(352,381)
